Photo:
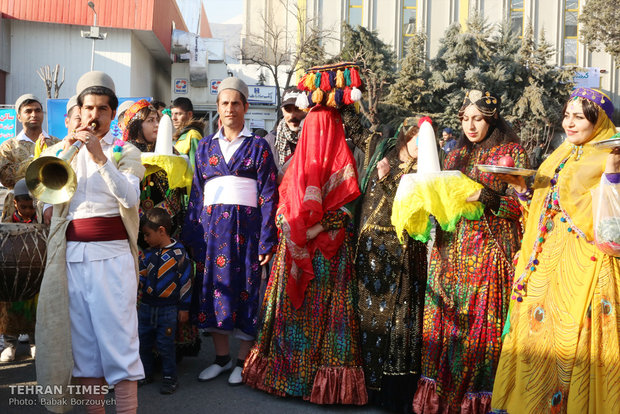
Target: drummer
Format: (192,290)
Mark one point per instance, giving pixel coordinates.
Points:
(17,152)
(19,317)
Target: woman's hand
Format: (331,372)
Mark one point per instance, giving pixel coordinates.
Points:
(516,181)
(264,259)
(383,168)
(314,231)
(475,196)
(613,161)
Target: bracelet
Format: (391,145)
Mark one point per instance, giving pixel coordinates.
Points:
(526,196)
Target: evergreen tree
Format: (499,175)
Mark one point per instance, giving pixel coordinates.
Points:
(511,74)
(537,113)
(599,26)
(464,62)
(377,62)
(409,90)
(312,53)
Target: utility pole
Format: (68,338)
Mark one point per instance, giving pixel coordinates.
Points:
(94,35)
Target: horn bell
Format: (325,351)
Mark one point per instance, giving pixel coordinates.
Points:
(51,180)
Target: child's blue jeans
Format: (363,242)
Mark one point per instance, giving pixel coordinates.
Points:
(157,326)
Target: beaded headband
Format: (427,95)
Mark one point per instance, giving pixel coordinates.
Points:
(331,85)
(486,103)
(596,96)
(130,113)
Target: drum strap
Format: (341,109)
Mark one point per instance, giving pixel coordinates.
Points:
(96,229)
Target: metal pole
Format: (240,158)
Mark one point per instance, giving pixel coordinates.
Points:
(92,53)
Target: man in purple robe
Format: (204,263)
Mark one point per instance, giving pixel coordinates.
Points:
(230,228)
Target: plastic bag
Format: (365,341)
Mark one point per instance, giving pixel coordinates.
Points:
(606,211)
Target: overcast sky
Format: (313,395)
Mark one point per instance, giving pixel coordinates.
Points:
(221,11)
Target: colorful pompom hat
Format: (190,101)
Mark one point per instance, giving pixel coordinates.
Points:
(331,85)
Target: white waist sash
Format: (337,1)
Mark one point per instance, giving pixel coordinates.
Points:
(230,189)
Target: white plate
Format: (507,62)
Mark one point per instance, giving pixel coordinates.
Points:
(505,170)
(608,143)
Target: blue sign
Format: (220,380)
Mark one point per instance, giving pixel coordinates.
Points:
(8,120)
(57,112)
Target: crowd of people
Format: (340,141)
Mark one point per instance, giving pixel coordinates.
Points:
(514,312)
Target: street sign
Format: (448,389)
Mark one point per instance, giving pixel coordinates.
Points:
(259,94)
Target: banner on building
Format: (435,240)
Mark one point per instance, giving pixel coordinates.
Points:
(8,121)
(588,78)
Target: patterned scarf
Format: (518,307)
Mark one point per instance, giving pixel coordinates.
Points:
(286,141)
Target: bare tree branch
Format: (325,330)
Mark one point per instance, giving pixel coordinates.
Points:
(269,50)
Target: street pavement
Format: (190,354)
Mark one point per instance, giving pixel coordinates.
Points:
(215,396)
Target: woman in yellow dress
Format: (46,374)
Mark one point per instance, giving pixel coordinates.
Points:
(561,352)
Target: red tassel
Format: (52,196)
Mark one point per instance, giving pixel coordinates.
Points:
(346,98)
(355,78)
(325,82)
(301,85)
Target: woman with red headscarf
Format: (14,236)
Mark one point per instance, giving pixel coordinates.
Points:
(309,343)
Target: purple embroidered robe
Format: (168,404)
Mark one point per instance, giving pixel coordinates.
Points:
(228,238)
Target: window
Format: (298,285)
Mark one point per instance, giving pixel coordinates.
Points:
(410,12)
(571,32)
(516,17)
(355,12)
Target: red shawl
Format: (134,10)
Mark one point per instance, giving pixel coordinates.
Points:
(322,177)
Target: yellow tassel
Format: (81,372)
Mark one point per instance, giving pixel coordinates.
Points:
(310,82)
(317,96)
(331,98)
(340,79)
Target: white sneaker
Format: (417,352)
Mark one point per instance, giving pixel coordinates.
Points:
(235,376)
(33,351)
(213,371)
(23,338)
(8,354)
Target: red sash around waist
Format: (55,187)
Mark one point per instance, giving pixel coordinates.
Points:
(95,229)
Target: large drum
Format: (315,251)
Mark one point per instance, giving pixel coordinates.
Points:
(23,251)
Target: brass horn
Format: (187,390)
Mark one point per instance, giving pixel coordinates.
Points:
(51,179)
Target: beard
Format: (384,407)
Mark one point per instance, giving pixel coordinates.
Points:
(294,124)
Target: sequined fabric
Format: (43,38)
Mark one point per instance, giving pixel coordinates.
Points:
(468,292)
(311,352)
(391,279)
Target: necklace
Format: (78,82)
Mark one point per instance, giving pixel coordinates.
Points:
(546,224)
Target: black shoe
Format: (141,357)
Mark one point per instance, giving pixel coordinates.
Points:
(169,385)
(146,380)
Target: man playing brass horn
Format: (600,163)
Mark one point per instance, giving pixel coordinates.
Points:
(86,320)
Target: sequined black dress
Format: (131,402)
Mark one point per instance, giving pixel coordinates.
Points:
(392,279)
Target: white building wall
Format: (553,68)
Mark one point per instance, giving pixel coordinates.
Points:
(121,55)
(147,77)
(34,45)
